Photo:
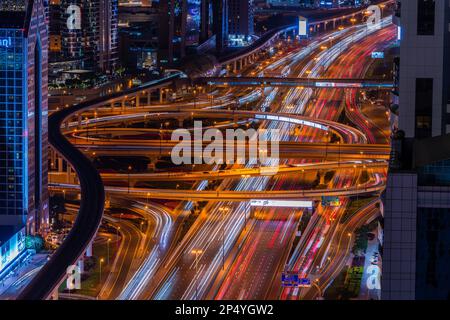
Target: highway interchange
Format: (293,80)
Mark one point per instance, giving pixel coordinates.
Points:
(232,250)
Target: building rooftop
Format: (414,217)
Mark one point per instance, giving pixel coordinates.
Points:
(12,19)
(13,5)
(16,14)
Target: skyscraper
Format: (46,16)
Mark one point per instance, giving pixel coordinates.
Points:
(220,23)
(172,31)
(240,17)
(417,198)
(23,125)
(85,32)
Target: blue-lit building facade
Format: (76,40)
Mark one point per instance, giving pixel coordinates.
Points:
(23,126)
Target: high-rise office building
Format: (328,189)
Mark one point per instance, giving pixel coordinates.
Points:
(240,17)
(23,125)
(416,251)
(220,23)
(84,33)
(172,31)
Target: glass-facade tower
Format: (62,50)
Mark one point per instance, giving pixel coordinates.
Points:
(23,119)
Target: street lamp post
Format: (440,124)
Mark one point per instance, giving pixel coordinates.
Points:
(118,229)
(101,262)
(129,171)
(87,129)
(107,249)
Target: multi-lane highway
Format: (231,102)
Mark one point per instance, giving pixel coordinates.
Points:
(232,251)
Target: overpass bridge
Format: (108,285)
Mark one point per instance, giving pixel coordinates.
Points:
(46,283)
(379,84)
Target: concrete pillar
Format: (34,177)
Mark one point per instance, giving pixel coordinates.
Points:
(68,173)
(138,100)
(79,119)
(149,98)
(55,294)
(234,66)
(322,178)
(112,106)
(161,96)
(60,164)
(123,102)
(81,265)
(89,250)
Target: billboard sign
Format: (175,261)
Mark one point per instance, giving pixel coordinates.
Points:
(281,203)
(292,280)
(377,55)
(331,201)
(302,26)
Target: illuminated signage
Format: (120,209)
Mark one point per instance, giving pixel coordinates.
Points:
(331,202)
(377,55)
(293,280)
(302,26)
(10,249)
(282,203)
(6,42)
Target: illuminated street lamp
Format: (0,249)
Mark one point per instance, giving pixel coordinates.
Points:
(107,249)
(118,230)
(101,262)
(129,171)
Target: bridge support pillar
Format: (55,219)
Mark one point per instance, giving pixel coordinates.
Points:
(89,250)
(235,121)
(60,164)
(322,178)
(81,265)
(149,98)
(55,294)
(123,102)
(161,96)
(68,173)
(138,100)
(112,106)
(234,66)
